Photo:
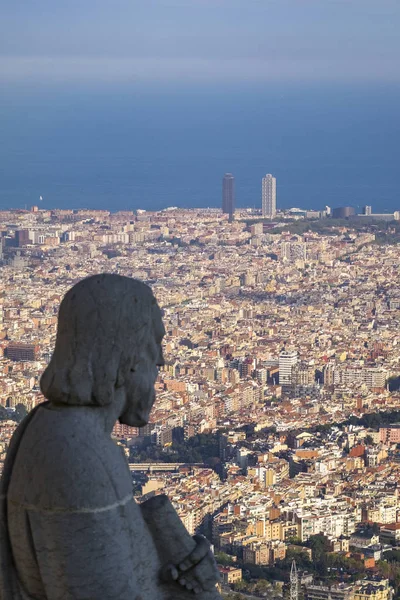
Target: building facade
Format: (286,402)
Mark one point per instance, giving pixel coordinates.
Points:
(343,212)
(390,434)
(294,251)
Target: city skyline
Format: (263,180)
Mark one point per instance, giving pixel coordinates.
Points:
(279,398)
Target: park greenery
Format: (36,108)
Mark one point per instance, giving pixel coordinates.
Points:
(386,232)
(327,226)
(199,449)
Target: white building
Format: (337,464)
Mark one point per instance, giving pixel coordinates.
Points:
(269,196)
(293,251)
(287,360)
(372,377)
(329,523)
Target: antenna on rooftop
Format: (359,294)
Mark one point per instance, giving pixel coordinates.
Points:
(294,582)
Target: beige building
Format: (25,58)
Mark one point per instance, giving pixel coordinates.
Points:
(230,574)
(390,435)
(264,553)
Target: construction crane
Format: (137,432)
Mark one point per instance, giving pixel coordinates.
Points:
(294,582)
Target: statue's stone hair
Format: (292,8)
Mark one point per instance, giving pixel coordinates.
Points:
(103,322)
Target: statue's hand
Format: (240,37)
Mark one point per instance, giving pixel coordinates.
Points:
(198,571)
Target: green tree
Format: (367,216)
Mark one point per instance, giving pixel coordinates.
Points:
(375,528)
(302,559)
(223,559)
(321,565)
(393,556)
(384,568)
(242,586)
(319,545)
(262,586)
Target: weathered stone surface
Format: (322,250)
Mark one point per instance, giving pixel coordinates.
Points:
(174,545)
(70,528)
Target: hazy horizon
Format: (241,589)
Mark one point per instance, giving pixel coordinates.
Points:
(200,40)
(131,104)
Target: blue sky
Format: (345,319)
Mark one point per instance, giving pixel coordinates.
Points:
(199,40)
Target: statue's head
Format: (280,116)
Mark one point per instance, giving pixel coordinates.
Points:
(108,337)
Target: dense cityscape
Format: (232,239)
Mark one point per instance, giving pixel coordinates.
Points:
(276,428)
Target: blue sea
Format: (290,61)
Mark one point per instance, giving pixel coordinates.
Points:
(152,147)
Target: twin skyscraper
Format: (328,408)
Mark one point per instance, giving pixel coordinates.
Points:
(268,197)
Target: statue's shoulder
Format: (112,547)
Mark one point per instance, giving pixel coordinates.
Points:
(67,464)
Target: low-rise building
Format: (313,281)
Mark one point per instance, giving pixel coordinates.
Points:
(230,575)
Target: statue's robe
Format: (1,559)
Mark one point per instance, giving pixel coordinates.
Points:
(69,526)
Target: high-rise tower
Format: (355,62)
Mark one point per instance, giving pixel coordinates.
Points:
(269,196)
(228,195)
(287,360)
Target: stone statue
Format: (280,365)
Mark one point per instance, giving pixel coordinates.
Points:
(69,526)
